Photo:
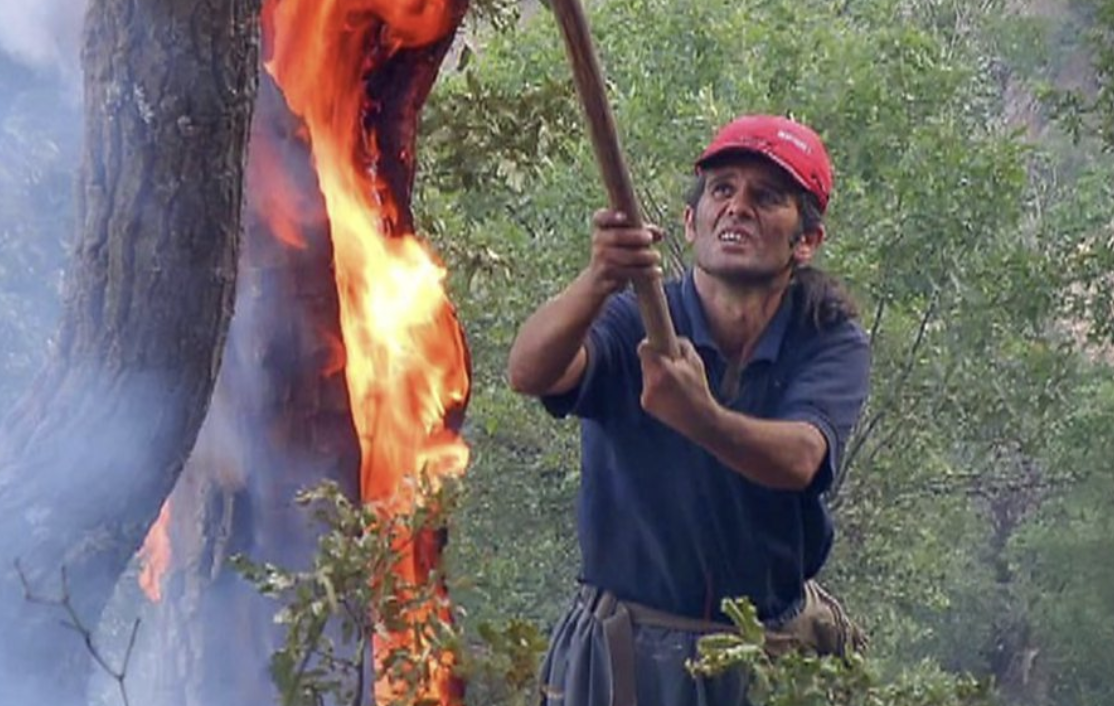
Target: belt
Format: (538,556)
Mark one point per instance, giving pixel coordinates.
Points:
(617,619)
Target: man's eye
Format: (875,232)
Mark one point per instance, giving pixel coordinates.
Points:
(721,189)
(768,197)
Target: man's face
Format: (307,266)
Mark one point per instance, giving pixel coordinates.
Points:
(746,228)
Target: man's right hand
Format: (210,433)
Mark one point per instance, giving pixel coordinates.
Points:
(548,355)
(621,252)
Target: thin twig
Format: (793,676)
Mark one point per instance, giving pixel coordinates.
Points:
(362,647)
(877,323)
(903,378)
(314,639)
(862,433)
(860,438)
(65,602)
(674,250)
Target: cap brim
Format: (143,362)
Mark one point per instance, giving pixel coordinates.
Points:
(751,149)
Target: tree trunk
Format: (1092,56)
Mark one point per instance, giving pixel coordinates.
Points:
(87,458)
(280,419)
(280,422)
(1012,652)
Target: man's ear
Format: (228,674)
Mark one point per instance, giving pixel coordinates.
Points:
(807,245)
(690,224)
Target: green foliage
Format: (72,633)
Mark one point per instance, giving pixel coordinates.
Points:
(979,257)
(523,125)
(501,665)
(799,679)
(331,611)
(501,15)
(1063,555)
(1086,108)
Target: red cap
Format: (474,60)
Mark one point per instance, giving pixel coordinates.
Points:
(792,146)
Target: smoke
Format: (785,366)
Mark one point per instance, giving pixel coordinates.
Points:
(40,136)
(270,431)
(43,34)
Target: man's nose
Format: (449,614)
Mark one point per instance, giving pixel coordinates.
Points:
(741,204)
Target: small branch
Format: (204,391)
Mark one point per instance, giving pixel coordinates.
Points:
(903,422)
(313,640)
(361,668)
(902,379)
(674,250)
(73,622)
(933,411)
(858,441)
(861,438)
(965,484)
(876,324)
(885,442)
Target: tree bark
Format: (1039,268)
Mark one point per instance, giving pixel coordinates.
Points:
(89,455)
(280,422)
(280,419)
(1012,651)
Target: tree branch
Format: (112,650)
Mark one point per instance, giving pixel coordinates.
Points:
(75,623)
(860,438)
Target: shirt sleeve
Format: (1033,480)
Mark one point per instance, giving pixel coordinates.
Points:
(611,344)
(828,390)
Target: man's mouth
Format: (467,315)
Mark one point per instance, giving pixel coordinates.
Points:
(734,236)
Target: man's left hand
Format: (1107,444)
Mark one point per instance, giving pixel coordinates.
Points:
(675,390)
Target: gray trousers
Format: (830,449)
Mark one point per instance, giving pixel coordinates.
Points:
(606,652)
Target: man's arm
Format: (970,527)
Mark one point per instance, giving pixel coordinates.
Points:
(548,355)
(784,454)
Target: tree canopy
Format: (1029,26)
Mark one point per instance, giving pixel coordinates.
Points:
(978,252)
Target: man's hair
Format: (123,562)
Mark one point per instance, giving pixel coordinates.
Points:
(821,297)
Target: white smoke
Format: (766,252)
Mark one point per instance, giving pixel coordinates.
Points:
(43,34)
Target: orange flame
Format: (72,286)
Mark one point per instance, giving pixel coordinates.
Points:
(154,555)
(405,357)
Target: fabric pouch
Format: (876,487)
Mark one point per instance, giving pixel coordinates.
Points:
(822,628)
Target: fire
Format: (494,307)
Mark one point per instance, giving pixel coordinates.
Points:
(404,355)
(154,555)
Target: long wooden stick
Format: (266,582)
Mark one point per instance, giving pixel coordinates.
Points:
(616,178)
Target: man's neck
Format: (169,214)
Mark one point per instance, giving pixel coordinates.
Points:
(738,313)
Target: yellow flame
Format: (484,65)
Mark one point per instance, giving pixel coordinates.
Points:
(405,357)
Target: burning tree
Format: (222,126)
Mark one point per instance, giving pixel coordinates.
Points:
(344,360)
(367,382)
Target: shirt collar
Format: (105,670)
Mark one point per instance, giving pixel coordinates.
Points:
(769,345)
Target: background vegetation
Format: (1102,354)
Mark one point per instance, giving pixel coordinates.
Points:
(974,229)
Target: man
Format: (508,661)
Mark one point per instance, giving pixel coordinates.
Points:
(702,475)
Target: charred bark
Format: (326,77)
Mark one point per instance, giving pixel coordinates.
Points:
(280,422)
(397,88)
(89,455)
(280,419)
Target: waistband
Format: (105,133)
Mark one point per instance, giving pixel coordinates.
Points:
(617,619)
(600,600)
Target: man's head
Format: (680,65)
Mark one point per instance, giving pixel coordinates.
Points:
(794,147)
(756,209)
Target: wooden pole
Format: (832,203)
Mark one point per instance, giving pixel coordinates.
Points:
(609,156)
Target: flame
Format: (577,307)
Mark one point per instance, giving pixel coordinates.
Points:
(405,359)
(283,201)
(154,555)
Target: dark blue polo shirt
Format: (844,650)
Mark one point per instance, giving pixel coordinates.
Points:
(661,521)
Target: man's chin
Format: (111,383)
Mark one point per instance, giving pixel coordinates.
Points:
(744,276)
